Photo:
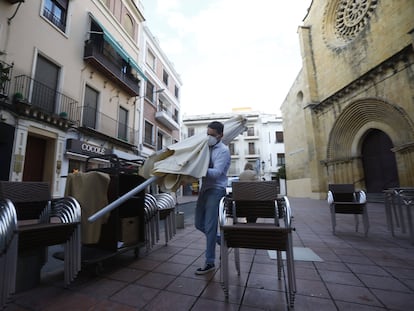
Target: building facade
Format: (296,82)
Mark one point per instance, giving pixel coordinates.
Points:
(262,144)
(71,86)
(349,116)
(160,101)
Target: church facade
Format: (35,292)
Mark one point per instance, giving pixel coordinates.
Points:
(349,115)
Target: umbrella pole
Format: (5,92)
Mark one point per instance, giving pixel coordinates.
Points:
(122,199)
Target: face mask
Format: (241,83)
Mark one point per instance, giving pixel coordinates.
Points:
(212,140)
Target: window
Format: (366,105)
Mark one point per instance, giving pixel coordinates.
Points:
(190,131)
(90,105)
(176,92)
(56,12)
(251,148)
(280,159)
(45,84)
(175,116)
(279,137)
(128,24)
(149,129)
(123,124)
(159,141)
(250,131)
(150,59)
(149,92)
(231,148)
(165,77)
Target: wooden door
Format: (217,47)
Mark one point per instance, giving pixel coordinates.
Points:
(380,166)
(34,160)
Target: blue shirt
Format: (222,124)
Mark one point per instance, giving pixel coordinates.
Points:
(219,165)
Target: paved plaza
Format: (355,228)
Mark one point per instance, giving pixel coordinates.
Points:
(355,272)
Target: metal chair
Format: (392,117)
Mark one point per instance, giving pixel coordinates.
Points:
(51,222)
(260,199)
(343,199)
(151,220)
(166,209)
(395,200)
(8,250)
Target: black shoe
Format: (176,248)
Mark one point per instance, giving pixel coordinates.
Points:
(207,268)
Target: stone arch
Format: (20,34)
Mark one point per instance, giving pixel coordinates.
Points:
(355,121)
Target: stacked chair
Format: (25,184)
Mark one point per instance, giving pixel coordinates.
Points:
(398,208)
(151,220)
(166,210)
(45,222)
(343,199)
(8,250)
(257,199)
(159,207)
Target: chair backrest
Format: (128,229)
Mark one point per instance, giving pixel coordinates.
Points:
(255,199)
(255,190)
(29,198)
(342,192)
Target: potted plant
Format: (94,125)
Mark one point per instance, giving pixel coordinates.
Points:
(18,97)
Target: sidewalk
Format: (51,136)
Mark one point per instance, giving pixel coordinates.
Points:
(357,272)
(186,199)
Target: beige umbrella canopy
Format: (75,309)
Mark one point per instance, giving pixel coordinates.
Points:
(179,163)
(187,160)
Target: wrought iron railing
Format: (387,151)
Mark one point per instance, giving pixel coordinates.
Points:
(96,52)
(106,125)
(47,99)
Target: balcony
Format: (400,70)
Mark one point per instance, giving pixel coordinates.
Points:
(99,57)
(251,135)
(100,124)
(252,154)
(36,100)
(5,77)
(166,117)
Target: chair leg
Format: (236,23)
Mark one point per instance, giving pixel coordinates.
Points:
(410,221)
(237,259)
(166,228)
(279,264)
(290,274)
(400,213)
(394,210)
(225,267)
(356,222)
(333,219)
(388,212)
(365,219)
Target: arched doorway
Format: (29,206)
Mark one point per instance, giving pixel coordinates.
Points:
(380,166)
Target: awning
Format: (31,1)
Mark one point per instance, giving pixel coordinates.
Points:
(126,155)
(118,48)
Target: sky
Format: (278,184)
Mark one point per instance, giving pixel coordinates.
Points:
(230,53)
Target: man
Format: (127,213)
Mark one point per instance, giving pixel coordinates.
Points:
(213,188)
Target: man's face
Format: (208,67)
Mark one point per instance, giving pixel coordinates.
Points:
(213,132)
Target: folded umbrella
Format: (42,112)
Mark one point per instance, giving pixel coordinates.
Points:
(179,163)
(187,160)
